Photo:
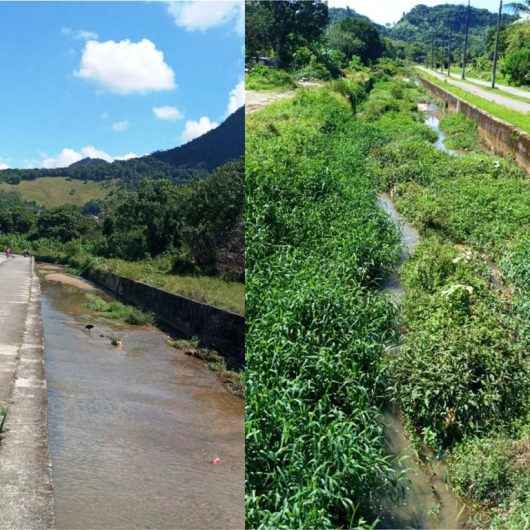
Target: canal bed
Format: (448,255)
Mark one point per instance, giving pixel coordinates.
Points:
(134,430)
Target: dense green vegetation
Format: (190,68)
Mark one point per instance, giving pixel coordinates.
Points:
(186,238)
(317,246)
(462,373)
(462,132)
(300,40)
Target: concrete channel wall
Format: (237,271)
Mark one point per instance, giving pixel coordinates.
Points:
(26,492)
(501,137)
(217,329)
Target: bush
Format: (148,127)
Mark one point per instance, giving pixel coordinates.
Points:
(263,77)
(461,370)
(461,131)
(481,470)
(516,66)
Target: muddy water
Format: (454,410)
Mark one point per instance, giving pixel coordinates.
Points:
(432,119)
(427,502)
(133,430)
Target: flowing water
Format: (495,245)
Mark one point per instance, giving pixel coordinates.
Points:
(134,430)
(427,502)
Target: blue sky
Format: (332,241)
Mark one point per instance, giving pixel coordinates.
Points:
(390,11)
(114,79)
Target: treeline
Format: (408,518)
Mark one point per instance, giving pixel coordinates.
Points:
(198,224)
(303,39)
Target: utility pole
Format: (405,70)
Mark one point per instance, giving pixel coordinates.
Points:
(496,52)
(449,53)
(432,51)
(464,58)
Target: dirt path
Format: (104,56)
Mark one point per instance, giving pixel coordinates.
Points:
(505,101)
(255,100)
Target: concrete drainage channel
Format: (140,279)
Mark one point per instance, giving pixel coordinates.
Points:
(25,475)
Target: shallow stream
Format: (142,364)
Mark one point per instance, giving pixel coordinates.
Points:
(134,430)
(427,502)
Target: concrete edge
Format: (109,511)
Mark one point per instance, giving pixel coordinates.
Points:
(506,139)
(26,487)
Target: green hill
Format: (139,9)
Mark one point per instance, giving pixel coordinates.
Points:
(57,191)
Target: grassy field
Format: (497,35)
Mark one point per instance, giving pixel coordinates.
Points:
(518,119)
(317,248)
(462,376)
(56,191)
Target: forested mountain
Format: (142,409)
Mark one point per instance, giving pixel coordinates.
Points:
(196,158)
(446,23)
(336,14)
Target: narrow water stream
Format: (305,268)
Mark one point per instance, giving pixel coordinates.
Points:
(134,430)
(427,502)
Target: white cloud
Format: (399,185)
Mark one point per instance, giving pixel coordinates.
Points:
(236,98)
(68,156)
(167,113)
(120,126)
(126,67)
(80,34)
(200,16)
(194,129)
(3,166)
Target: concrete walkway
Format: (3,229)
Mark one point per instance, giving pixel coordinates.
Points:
(505,101)
(26,497)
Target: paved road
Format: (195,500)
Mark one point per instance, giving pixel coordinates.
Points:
(522,93)
(25,485)
(506,101)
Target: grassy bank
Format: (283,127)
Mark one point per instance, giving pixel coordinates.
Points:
(462,374)
(517,119)
(317,246)
(156,272)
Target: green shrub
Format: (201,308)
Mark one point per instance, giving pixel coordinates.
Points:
(263,77)
(461,370)
(481,470)
(461,132)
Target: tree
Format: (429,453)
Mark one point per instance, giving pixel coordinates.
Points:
(355,36)
(64,224)
(283,26)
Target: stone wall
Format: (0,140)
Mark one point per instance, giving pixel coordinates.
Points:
(501,137)
(217,329)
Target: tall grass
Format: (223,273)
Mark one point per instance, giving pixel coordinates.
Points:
(316,247)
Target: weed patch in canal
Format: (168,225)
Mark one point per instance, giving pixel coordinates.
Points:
(462,374)
(117,311)
(233,380)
